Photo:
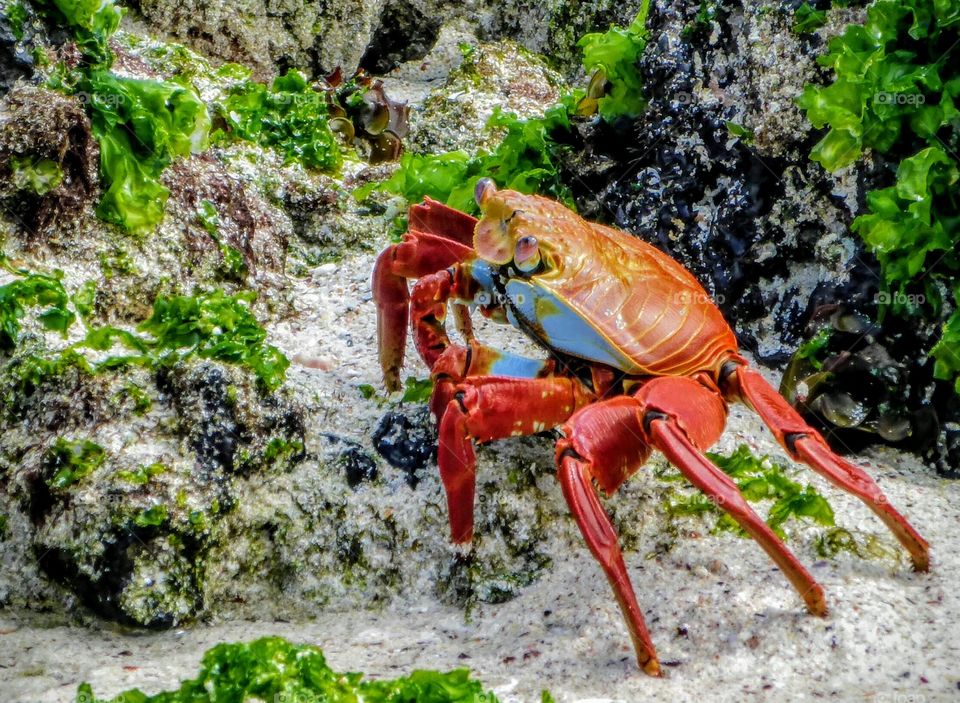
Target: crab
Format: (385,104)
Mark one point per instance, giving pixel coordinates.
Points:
(638,359)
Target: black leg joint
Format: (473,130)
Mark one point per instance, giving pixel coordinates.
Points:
(650,416)
(790,440)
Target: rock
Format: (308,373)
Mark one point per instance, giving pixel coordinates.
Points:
(48,159)
(358,466)
(552,27)
(406,439)
(486,77)
(270,37)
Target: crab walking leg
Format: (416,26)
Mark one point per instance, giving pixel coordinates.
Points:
(438,237)
(603,442)
(681,417)
(488,408)
(805,444)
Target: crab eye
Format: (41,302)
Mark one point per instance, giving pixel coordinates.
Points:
(483,190)
(526,255)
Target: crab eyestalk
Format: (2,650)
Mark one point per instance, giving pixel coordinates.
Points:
(527,254)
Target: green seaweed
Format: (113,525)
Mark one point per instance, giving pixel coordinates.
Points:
(808,19)
(526,160)
(895,87)
(38,176)
(16,13)
(142,474)
(210,325)
(233,266)
(758,479)
(154,516)
(32,290)
(273,669)
(615,53)
(213,326)
(93,22)
(141,125)
(289,116)
(70,460)
(947,351)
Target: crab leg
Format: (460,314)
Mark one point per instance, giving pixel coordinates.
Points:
(487,408)
(681,418)
(438,237)
(607,432)
(805,444)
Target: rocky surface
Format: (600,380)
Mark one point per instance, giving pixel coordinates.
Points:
(377,35)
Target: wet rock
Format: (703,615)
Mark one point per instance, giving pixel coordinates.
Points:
(484,78)
(229,425)
(15,61)
(214,209)
(48,159)
(358,466)
(270,37)
(862,382)
(405,33)
(552,27)
(406,439)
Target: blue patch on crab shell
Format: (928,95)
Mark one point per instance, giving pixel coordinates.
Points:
(560,327)
(481,272)
(516,366)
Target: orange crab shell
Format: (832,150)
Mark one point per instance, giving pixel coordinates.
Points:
(645,305)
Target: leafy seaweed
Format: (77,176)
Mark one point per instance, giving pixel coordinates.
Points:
(273,669)
(895,89)
(32,290)
(808,19)
(759,479)
(16,13)
(289,116)
(613,55)
(417,390)
(92,21)
(141,126)
(154,516)
(947,351)
(142,474)
(210,325)
(39,176)
(214,326)
(68,461)
(526,160)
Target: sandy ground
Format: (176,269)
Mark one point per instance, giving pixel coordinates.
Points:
(725,621)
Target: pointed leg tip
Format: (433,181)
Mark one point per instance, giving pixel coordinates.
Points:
(816,602)
(921,562)
(391,381)
(651,667)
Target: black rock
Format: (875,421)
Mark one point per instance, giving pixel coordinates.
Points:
(406,439)
(358,465)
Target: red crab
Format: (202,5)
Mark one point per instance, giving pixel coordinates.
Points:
(639,358)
